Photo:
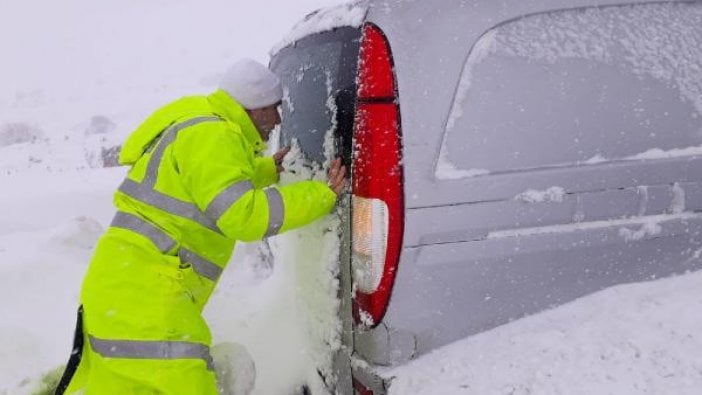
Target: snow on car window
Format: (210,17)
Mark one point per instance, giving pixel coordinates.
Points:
(281,302)
(664,41)
(318,76)
(610,83)
(351,14)
(309,113)
(314,73)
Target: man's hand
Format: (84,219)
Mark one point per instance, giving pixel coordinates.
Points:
(337,176)
(278,158)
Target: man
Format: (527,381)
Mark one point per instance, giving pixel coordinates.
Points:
(196,185)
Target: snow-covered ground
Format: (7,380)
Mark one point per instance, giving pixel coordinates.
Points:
(631,339)
(80,75)
(77,77)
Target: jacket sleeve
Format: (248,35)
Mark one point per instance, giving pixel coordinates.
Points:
(218,169)
(265,172)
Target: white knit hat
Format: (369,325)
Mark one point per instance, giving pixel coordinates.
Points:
(252,84)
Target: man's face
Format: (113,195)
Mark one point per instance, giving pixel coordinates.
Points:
(265,119)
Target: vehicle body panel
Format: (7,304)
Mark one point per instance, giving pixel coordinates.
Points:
(451,270)
(444,34)
(533,231)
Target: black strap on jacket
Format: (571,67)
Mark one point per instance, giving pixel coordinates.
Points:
(76,354)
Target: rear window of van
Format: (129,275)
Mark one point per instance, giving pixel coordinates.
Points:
(318,76)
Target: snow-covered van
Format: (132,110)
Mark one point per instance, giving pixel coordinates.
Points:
(506,157)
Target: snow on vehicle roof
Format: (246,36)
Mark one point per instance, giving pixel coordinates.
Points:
(324,19)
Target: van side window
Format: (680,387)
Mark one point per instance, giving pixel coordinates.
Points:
(579,88)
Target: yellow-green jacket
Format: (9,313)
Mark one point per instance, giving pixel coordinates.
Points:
(203,185)
(196,186)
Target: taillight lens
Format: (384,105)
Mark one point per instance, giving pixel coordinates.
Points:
(377,188)
(375,73)
(360,389)
(370,235)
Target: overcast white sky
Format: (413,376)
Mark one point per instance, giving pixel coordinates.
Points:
(58,51)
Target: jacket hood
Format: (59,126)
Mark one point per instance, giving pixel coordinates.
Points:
(226,107)
(218,103)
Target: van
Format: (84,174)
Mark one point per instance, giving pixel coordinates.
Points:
(506,157)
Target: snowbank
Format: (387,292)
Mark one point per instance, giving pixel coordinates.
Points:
(279,301)
(630,339)
(49,223)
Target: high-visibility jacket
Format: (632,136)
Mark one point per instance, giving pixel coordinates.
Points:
(197,185)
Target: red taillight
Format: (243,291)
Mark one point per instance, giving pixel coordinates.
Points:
(378,200)
(360,389)
(375,71)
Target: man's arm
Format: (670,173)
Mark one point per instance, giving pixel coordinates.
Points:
(267,169)
(218,168)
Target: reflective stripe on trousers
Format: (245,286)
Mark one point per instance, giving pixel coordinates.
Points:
(148,349)
(166,244)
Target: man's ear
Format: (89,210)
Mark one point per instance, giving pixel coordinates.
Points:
(253,115)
